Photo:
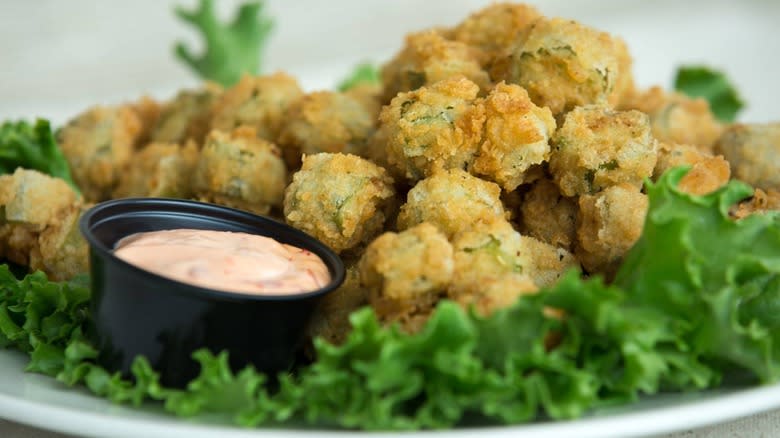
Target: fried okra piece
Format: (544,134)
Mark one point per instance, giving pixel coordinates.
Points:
(547,215)
(240,170)
(516,136)
(325,121)
(39,224)
(496,28)
(98,145)
(257,101)
(406,274)
(609,223)
(331,318)
(186,116)
(625,87)
(341,199)
(597,147)
(436,127)
(452,201)
(160,170)
(426,58)
(564,64)
(707,172)
(677,118)
(754,153)
(761,202)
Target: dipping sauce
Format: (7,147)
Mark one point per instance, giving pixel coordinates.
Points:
(225,260)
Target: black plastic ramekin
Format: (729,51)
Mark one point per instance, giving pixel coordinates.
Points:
(136,312)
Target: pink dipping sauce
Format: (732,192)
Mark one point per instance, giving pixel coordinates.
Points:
(226,261)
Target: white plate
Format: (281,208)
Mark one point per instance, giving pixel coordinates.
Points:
(53,46)
(43,402)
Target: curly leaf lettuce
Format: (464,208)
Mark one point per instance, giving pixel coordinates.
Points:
(365,73)
(714,86)
(231,49)
(32,147)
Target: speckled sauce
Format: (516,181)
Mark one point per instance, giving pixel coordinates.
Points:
(226,261)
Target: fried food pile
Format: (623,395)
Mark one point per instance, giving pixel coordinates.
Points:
(494,155)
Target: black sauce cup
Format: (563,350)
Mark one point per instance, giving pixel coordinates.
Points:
(136,312)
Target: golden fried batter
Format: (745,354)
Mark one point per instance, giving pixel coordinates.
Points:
(516,136)
(760,202)
(240,170)
(548,215)
(406,274)
(427,58)
(609,223)
(597,147)
(707,172)
(159,170)
(436,127)
(186,116)
(257,101)
(331,319)
(453,201)
(496,28)
(98,145)
(343,200)
(753,150)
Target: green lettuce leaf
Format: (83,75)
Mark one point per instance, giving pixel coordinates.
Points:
(32,147)
(714,86)
(231,49)
(365,73)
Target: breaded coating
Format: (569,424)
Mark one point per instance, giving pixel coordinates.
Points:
(240,170)
(597,147)
(62,252)
(677,118)
(436,127)
(330,320)
(490,268)
(186,116)
(325,121)
(564,64)
(370,96)
(753,150)
(161,170)
(609,223)
(97,145)
(452,201)
(625,86)
(426,58)
(546,263)
(496,28)
(39,224)
(343,200)
(760,202)
(516,136)
(148,111)
(257,101)
(406,274)
(707,172)
(549,216)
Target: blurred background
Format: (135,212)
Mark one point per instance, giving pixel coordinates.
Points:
(59,57)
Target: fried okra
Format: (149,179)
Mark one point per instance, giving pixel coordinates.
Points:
(495,28)
(453,201)
(516,136)
(436,127)
(761,202)
(406,274)
(676,118)
(597,147)
(427,58)
(240,170)
(341,199)
(609,223)
(331,318)
(98,145)
(707,172)
(159,170)
(564,64)
(325,121)
(548,215)
(754,153)
(186,116)
(39,224)
(257,101)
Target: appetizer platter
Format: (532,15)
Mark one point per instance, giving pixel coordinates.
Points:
(517,236)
